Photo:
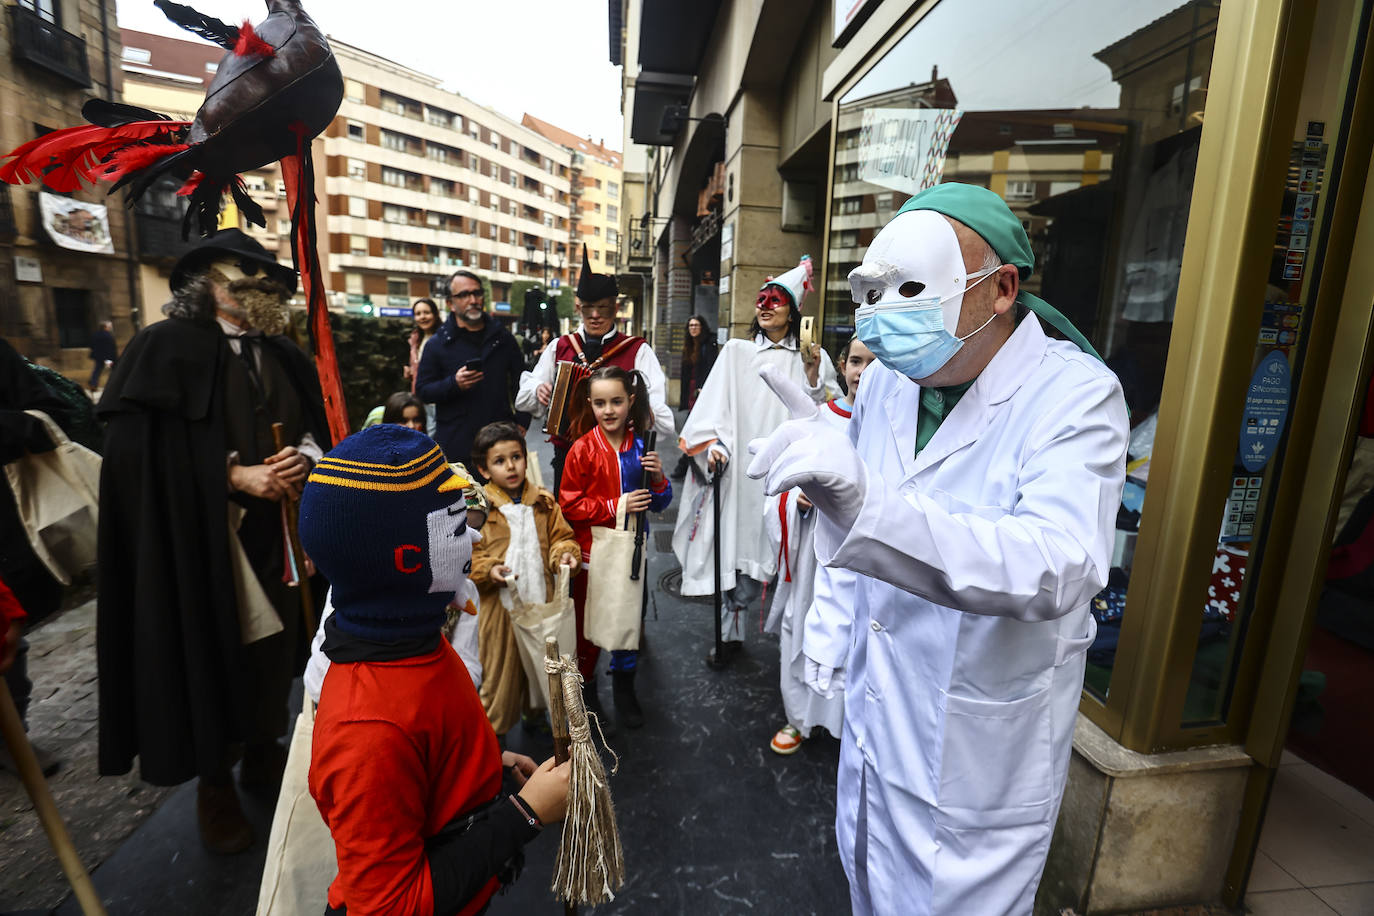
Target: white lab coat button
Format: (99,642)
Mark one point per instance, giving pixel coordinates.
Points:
(877,627)
(860,742)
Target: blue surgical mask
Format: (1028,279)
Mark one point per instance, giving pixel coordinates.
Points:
(909,336)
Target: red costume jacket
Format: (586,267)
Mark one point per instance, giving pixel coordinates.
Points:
(595,475)
(400,749)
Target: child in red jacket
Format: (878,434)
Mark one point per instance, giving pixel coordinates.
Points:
(405,768)
(604,467)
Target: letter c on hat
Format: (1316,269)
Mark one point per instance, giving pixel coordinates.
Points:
(401,559)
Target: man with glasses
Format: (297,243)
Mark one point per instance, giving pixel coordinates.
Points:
(470,371)
(596,343)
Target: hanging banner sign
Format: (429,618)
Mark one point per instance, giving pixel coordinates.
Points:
(1266,409)
(76,224)
(904,148)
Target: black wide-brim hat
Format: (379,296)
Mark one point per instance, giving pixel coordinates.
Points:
(231,245)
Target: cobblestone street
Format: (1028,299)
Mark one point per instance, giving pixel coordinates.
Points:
(100,812)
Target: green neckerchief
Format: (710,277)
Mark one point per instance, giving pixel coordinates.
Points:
(936,403)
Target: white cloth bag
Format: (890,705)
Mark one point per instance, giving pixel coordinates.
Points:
(57,494)
(611,619)
(300,851)
(534,623)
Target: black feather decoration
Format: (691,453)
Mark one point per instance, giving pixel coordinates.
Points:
(207,27)
(204,208)
(114,114)
(247,206)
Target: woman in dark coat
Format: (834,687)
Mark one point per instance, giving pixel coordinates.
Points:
(698,354)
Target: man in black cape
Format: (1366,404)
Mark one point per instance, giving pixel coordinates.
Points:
(198,634)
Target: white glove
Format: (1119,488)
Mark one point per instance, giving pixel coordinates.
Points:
(810,453)
(823,679)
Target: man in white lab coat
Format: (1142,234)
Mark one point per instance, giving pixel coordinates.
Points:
(966,522)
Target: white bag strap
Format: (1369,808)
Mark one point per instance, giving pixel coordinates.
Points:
(564,578)
(620,511)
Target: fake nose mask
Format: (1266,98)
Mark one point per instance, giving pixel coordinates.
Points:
(910,289)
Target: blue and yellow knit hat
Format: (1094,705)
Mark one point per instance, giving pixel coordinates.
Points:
(383,517)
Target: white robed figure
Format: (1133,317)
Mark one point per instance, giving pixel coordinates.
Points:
(789,520)
(733,408)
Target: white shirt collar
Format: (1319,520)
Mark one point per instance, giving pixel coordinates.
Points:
(232,330)
(763,343)
(582,332)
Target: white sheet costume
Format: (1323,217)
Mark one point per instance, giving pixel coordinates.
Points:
(792,538)
(733,408)
(971,566)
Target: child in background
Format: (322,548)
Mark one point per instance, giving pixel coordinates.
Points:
(405,409)
(404,768)
(604,467)
(791,529)
(524,542)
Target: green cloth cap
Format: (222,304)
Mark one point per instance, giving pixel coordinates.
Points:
(987,214)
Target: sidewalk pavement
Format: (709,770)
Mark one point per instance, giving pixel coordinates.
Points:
(101,812)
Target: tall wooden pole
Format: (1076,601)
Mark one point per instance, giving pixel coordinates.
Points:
(293,534)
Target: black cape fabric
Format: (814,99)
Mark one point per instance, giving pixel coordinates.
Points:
(169,656)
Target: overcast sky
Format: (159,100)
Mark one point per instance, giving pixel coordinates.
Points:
(546,57)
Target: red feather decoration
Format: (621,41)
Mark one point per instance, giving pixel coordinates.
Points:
(63,157)
(136,159)
(250,43)
(189,188)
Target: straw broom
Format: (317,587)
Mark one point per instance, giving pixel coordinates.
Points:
(591,863)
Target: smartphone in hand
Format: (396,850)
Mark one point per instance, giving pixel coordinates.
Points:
(473,365)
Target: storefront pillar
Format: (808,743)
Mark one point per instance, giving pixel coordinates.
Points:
(1121,843)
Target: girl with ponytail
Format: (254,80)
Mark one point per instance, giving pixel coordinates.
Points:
(603,468)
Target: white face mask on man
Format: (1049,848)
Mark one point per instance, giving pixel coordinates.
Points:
(910,289)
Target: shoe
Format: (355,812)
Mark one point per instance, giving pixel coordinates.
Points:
(627,709)
(48,763)
(592,703)
(680,469)
(263,766)
(786,742)
(223,828)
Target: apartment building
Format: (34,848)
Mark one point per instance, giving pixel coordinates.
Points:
(170,76)
(65,264)
(419,181)
(596,190)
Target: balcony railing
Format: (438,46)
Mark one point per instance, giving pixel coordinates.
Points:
(39,42)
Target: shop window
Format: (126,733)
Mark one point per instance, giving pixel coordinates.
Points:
(1094,147)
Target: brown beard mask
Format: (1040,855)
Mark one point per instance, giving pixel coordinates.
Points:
(262,302)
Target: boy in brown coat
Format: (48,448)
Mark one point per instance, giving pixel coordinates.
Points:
(523,543)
